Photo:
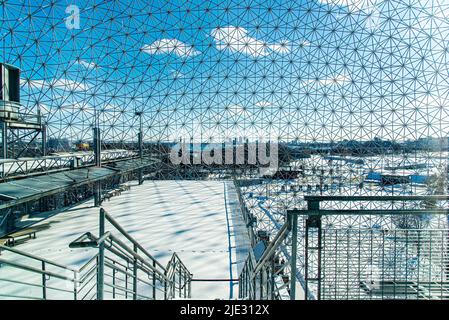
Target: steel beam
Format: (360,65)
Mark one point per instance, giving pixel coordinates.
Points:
(44,140)
(97,194)
(4,140)
(100,267)
(293,260)
(97,146)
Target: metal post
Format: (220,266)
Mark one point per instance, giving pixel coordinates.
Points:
(313,222)
(97,194)
(100,267)
(306,263)
(185,283)
(140,137)
(154,280)
(113,280)
(254,288)
(165,286)
(44,282)
(5,139)
(44,140)
(294,225)
(75,285)
(97,147)
(135,274)
(180,281)
(140,172)
(246,292)
(140,141)
(140,134)
(234,152)
(190,287)
(191,152)
(126,283)
(272,278)
(319,246)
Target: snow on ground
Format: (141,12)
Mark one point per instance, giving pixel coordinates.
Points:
(199,220)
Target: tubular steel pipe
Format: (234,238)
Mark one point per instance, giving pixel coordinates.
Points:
(100,267)
(294,224)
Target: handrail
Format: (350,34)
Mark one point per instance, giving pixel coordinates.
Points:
(246,217)
(137,256)
(175,267)
(174,271)
(309,273)
(281,235)
(376,198)
(31,256)
(126,268)
(95,242)
(24,167)
(128,236)
(371,212)
(35,270)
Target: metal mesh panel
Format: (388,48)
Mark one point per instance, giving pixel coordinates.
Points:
(384,264)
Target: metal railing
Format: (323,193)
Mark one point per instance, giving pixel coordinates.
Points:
(247,216)
(9,110)
(126,269)
(121,269)
(34,278)
(16,168)
(179,284)
(267,278)
(355,250)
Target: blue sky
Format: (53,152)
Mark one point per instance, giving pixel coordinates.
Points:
(309,70)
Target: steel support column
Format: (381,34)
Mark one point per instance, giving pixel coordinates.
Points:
(4,140)
(140,172)
(100,267)
(312,272)
(140,134)
(97,194)
(293,218)
(135,249)
(140,141)
(44,140)
(97,146)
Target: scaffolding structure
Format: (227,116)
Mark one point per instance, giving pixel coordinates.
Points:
(353,261)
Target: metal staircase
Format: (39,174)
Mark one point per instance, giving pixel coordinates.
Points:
(121,269)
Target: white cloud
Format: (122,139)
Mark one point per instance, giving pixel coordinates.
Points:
(86,64)
(304,43)
(33,84)
(177,74)
(109,108)
(236,39)
(60,84)
(341,79)
(237,110)
(66,84)
(432,101)
(263,104)
(43,108)
(353,5)
(171,46)
(75,107)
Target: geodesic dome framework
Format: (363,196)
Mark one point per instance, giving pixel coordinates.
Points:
(362,85)
(314,71)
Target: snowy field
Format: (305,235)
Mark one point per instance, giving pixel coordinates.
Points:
(199,220)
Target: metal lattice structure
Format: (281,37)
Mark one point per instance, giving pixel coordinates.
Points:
(314,71)
(354,94)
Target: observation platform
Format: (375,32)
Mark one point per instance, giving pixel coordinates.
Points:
(32,188)
(199,220)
